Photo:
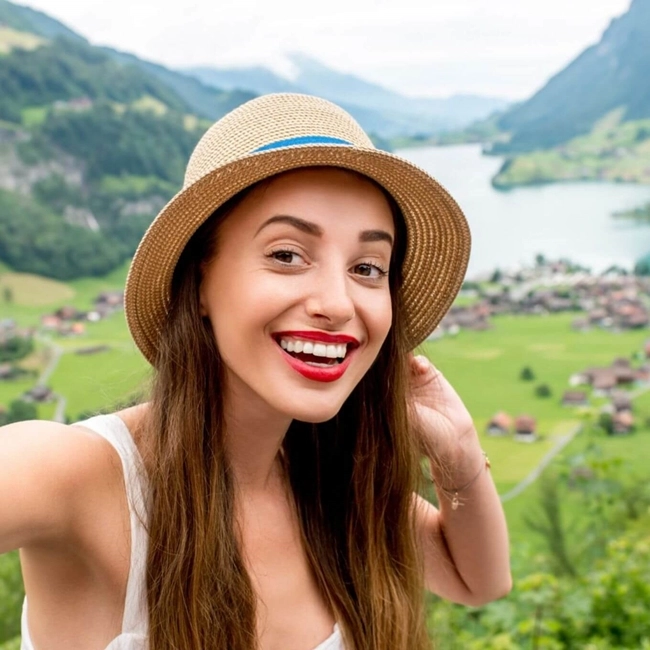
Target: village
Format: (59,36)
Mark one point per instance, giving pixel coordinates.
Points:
(614,301)
(16,343)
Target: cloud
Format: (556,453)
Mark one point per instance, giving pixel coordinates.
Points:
(432,47)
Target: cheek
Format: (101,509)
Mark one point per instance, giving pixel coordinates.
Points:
(378,315)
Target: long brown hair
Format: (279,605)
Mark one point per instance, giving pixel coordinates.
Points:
(352,478)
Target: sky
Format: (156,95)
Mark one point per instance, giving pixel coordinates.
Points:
(504,48)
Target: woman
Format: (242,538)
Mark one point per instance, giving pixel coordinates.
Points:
(264,497)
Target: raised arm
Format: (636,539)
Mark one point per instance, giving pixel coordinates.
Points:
(43,469)
(465,542)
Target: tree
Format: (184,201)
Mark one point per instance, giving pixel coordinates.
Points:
(527,374)
(19,411)
(642,267)
(8,294)
(496,276)
(606,422)
(543,390)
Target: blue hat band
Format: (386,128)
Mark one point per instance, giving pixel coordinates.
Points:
(303,139)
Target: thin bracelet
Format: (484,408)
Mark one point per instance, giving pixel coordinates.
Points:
(452,493)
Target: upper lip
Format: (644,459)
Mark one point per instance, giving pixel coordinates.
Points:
(322,337)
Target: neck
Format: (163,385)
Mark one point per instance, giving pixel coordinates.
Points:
(254,436)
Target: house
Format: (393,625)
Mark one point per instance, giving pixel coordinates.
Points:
(500,424)
(646,349)
(643,372)
(94,349)
(68,313)
(621,362)
(6,371)
(525,428)
(580,324)
(624,374)
(575,398)
(50,322)
(603,380)
(621,402)
(622,422)
(38,394)
(110,298)
(579,379)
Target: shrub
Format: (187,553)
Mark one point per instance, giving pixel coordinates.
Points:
(527,374)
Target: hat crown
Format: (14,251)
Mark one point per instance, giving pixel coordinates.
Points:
(277,120)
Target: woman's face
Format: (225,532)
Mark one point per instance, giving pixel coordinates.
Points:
(298,293)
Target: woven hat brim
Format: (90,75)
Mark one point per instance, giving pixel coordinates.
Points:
(437,251)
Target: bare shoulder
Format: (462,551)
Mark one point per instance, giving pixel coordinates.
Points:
(65,453)
(48,470)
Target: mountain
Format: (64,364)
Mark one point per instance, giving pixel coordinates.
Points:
(26,19)
(93,143)
(377,108)
(609,76)
(202,100)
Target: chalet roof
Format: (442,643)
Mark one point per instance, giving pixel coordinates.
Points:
(501,420)
(574,395)
(525,424)
(622,362)
(623,419)
(621,400)
(39,392)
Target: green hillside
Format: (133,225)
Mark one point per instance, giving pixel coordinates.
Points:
(93,143)
(613,151)
(30,20)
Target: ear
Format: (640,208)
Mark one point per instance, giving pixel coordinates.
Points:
(202,308)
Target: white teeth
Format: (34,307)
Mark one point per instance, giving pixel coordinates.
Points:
(328,351)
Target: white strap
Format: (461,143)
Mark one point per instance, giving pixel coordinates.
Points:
(112,428)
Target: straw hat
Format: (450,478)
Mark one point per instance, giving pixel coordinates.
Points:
(276,133)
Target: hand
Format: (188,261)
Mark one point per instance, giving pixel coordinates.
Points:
(438,415)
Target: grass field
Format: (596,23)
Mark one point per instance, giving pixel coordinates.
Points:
(12,39)
(484,368)
(34,296)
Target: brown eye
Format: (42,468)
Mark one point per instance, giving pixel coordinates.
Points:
(286,257)
(372,271)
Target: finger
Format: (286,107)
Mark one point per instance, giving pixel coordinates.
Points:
(418,364)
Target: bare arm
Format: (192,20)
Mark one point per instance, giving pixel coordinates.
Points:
(465,550)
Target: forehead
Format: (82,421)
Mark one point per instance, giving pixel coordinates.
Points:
(331,197)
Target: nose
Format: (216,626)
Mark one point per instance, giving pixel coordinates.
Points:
(330,300)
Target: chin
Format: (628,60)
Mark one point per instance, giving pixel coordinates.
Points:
(314,413)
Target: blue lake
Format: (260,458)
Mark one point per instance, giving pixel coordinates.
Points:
(571,220)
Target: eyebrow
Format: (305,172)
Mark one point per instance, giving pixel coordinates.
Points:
(315,230)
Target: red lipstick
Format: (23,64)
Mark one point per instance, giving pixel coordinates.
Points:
(318,373)
(322,337)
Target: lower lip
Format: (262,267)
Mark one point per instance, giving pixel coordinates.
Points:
(316,373)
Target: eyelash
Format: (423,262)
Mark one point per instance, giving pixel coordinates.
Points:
(381,271)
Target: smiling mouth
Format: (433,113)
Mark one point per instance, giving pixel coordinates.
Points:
(319,355)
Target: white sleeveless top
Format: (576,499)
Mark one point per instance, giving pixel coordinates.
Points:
(134,624)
